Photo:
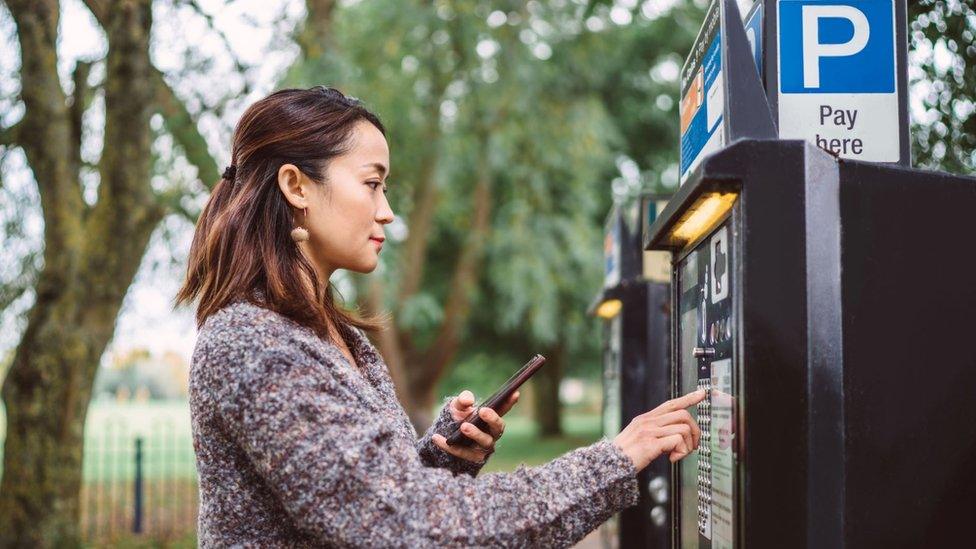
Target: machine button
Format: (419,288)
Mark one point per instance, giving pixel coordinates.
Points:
(658,488)
(659,516)
(703,352)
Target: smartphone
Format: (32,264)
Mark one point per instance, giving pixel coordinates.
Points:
(495,401)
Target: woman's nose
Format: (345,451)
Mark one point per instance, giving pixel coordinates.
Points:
(385,213)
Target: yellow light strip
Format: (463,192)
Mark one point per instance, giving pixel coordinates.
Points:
(609,309)
(702,216)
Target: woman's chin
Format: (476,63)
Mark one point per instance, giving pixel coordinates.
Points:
(365,267)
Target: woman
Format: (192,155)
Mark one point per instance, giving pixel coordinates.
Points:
(299,437)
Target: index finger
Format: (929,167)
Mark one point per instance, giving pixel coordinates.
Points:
(681,402)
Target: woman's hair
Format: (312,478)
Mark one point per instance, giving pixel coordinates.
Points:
(242,248)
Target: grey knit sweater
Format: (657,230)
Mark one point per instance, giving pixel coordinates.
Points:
(296,447)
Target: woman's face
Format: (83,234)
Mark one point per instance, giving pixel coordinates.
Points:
(346,215)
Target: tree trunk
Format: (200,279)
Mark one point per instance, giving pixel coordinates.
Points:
(91,257)
(46,394)
(547,408)
(424,369)
(421,397)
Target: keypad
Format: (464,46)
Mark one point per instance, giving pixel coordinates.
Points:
(704,414)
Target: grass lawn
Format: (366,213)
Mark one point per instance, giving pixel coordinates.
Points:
(168,453)
(169,469)
(521,444)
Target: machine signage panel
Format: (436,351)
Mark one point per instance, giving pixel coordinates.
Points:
(838,76)
(702,95)
(702,105)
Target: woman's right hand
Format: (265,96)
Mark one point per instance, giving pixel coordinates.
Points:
(669,428)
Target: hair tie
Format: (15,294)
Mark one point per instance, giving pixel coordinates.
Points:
(230,172)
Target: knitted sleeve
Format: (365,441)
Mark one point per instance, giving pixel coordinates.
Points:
(346,478)
(432,456)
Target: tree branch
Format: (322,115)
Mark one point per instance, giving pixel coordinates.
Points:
(465,275)
(172,201)
(121,222)
(8,136)
(238,64)
(421,218)
(177,119)
(183,126)
(99,9)
(44,132)
(426,195)
(11,290)
(315,37)
(386,340)
(79,103)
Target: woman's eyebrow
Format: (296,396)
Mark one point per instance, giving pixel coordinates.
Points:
(378,167)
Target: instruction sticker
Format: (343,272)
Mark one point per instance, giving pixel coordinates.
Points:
(722,433)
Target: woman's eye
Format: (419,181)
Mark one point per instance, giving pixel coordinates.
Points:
(374,184)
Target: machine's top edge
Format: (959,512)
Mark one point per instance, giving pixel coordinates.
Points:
(727,171)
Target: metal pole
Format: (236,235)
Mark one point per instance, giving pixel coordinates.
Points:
(137,490)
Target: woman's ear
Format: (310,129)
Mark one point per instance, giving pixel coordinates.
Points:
(294,185)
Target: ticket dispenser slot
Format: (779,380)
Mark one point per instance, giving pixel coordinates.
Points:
(706,332)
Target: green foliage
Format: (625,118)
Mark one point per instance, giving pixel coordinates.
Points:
(521,445)
(554,98)
(549,101)
(941,62)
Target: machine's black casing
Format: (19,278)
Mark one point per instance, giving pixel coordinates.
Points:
(854,303)
(636,368)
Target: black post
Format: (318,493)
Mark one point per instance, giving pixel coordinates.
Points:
(137,490)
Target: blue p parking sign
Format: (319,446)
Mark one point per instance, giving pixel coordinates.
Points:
(837,47)
(838,76)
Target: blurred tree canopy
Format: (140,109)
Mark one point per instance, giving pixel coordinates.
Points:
(508,121)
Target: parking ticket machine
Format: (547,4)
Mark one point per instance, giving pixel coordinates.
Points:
(828,307)
(633,306)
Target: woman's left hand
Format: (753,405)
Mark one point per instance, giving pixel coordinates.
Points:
(484,442)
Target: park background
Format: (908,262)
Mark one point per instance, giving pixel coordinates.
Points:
(514,128)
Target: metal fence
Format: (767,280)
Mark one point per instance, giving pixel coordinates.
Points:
(139,479)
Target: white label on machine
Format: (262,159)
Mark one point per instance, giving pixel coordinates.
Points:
(722,433)
(838,76)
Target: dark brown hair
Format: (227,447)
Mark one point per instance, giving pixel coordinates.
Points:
(242,248)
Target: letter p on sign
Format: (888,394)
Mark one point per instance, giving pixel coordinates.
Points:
(814,49)
(836,46)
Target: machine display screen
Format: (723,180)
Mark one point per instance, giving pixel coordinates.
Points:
(706,506)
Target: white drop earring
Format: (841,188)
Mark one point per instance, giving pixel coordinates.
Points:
(300,234)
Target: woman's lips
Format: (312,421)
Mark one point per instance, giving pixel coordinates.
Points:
(378,241)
